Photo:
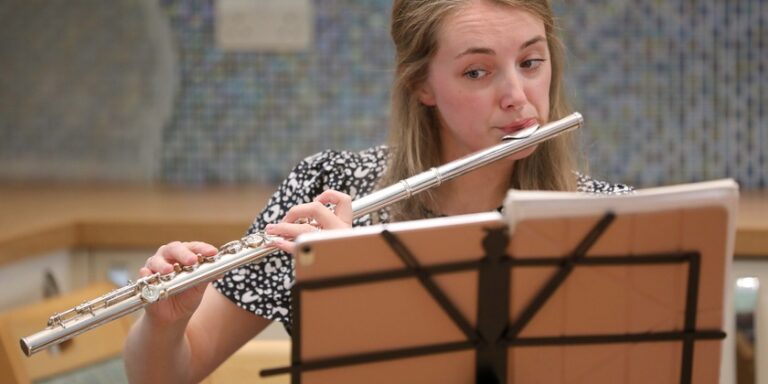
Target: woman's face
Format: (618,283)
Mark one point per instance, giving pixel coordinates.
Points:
(489,77)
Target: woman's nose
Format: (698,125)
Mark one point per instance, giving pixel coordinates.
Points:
(512,95)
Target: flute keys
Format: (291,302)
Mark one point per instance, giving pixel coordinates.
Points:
(84,308)
(178,268)
(150,293)
(203,259)
(253,240)
(55,320)
(232,247)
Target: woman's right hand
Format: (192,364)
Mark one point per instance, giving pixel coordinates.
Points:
(178,307)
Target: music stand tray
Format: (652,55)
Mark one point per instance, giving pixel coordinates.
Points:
(564,288)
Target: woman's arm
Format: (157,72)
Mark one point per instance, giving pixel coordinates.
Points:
(185,337)
(189,349)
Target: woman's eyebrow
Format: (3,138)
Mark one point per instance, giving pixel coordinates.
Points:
(533,41)
(489,51)
(476,50)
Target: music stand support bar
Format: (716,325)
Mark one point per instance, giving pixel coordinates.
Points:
(494,335)
(566,267)
(691,308)
(493,309)
(429,284)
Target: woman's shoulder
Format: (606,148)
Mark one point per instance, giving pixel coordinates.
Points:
(370,161)
(587,184)
(369,157)
(352,172)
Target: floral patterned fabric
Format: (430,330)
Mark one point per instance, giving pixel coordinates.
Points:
(264,288)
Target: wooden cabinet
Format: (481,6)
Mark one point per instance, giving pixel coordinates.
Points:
(24,281)
(87,350)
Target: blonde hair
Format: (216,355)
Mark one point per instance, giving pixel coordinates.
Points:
(414,133)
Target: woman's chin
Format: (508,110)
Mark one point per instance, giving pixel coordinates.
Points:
(522,154)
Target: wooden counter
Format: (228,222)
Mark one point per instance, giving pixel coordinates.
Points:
(752,225)
(36,219)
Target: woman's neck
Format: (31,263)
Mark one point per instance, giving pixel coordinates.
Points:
(481,190)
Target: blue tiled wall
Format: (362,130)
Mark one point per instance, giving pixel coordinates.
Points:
(85,88)
(252,116)
(672,91)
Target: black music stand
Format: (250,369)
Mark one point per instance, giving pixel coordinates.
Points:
(622,289)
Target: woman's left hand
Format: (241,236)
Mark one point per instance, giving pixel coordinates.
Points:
(313,217)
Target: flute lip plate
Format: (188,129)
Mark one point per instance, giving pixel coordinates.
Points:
(522,134)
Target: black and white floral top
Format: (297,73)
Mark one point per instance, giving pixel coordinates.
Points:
(264,288)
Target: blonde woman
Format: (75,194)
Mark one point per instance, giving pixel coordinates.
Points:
(468,73)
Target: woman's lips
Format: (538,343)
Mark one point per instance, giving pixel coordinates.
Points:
(518,125)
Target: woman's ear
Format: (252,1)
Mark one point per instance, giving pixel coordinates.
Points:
(426,94)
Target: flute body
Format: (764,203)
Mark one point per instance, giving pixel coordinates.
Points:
(147,290)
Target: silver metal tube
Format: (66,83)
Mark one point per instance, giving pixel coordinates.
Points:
(53,335)
(147,290)
(435,176)
(60,331)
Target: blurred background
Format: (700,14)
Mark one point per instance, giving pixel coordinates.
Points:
(163,91)
(126,124)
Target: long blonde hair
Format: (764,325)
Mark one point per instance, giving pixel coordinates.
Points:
(414,136)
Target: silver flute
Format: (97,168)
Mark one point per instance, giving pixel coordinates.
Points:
(147,290)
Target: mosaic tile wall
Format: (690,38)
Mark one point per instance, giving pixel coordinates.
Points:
(85,89)
(251,116)
(672,91)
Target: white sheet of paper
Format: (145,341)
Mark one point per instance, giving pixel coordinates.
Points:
(264,25)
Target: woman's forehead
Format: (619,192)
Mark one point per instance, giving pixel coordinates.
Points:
(482,23)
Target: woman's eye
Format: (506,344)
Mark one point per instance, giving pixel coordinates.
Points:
(531,63)
(475,73)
